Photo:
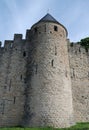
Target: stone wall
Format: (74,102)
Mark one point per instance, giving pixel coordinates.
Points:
(12,85)
(49,96)
(36,75)
(79,65)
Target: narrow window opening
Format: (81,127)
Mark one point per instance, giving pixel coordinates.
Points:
(24,53)
(3,106)
(55,50)
(36,68)
(55,28)
(73,73)
(14,100)
(45,28)
(71,44)
(52,62)
(35,30)
(21,77)
(10,85)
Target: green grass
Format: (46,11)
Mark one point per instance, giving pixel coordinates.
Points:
(79,126)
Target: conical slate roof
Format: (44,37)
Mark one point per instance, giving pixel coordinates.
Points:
(48,18)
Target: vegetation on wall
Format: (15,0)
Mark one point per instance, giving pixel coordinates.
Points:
(85,43)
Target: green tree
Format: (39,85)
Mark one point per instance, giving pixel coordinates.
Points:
(85,43)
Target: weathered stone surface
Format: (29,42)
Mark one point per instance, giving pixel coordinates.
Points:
(79,65)
(49,85)
(44,81)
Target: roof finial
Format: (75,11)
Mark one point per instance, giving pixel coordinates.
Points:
(48,11)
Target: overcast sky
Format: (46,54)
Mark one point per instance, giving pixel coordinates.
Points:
(18,15)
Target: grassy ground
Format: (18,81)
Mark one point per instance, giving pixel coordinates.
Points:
(79,126)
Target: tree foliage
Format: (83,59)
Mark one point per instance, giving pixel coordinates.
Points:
(85,42)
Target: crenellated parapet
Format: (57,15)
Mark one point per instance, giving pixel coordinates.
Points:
(76,48)
(18,37)
(12,80)
(8,44)
(44,78)
(79,66)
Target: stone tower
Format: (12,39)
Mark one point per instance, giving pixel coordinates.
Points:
(48,94)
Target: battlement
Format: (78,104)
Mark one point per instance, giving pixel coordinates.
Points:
(77,49)
(8,44)
(46,76)
(28,34)
(18,37)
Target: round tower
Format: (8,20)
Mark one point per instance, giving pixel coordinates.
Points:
(49,99)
